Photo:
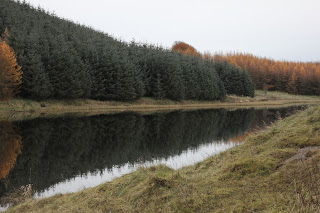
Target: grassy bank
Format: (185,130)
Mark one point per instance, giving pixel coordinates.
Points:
(257,176)
(271,99)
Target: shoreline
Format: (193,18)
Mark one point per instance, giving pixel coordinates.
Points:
(15,115)
(29,108)
(256,175)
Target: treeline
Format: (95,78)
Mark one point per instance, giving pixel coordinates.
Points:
(57,149)
(291,77)
(64,60)
(235,80)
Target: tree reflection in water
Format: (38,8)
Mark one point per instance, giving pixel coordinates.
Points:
(56,150)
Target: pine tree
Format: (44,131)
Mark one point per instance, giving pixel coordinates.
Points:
(172,78)
(66,71)
(36,82)
(247,84)
(99,69)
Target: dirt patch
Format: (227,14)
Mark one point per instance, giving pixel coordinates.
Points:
(303,154)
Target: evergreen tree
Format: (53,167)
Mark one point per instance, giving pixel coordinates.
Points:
(36,82)
(248,84)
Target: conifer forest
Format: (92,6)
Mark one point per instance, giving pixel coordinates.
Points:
(60,59)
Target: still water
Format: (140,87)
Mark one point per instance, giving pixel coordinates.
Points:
(68,154)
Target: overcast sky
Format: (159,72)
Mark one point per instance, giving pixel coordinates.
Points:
(278,29)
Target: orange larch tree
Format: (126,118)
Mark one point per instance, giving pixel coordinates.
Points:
(292,86)
(184,48)
(268,74)
(10,72)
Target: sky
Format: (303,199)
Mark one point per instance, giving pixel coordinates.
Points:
(276,29)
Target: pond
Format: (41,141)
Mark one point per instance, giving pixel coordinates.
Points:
(70,153)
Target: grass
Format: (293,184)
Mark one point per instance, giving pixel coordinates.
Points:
(17,196)
(252,177)
(23,108)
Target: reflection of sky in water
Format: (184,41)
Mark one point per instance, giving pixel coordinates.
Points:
(186,158)
(3,208)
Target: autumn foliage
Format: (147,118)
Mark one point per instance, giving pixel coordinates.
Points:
(184,48)
(10,72)
(291,77)
(10,147)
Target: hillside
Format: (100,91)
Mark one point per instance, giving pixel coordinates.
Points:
(64,60)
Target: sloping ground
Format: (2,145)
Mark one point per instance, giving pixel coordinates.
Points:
(253,177)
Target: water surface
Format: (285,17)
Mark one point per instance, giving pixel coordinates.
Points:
(68,154)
